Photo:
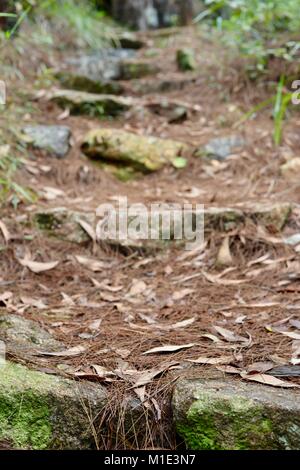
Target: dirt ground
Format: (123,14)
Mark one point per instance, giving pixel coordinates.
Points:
(138,302)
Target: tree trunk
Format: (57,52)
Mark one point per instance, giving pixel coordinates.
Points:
(186,11)
(4,8)
(147,14)
(8,6)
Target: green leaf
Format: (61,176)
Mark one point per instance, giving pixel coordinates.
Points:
(180,162)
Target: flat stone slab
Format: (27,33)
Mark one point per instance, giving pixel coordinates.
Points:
(80,82)
(164,85)
(129,40)
(24,337)
(133,69)
(40,411)
(145,154)
(221,147)
(102,65)
(226,414)
(269,215)
(53,139)
(65,224)
(91,104)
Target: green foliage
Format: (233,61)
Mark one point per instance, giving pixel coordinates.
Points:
(253,25)
(8,186)
(52,20)
(280,108)
(262,30)
(80,19)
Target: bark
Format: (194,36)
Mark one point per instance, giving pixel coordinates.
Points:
(147,14)
(186,11)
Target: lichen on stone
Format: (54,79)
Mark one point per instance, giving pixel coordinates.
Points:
(41,411)
(220,424)
(143,154)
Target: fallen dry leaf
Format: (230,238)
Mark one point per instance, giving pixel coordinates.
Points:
(107,297)
(157,408)
(6,296)
(148,375)
(92,264)
(183,323)
(5,232)
(224,257)
(76,351)
(230,335)
(137,288)
(103,372)
(268,380)
(212,360)
(214,338)
(181,294)
(50,194)
(295,323)
(215,279)
(38,267)
(168,349)
(141,394)
(88,229)
(37,303)
(95,325)
(260,367)
(229,369)
(67,300)
(258,260)
(289,334)
(64,115)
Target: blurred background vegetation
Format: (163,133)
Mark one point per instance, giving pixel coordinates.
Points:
(264,35)
(261,29)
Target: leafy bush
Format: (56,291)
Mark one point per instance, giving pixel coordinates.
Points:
(258,27)
(80,19)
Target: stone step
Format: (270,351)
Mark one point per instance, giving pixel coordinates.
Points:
(65,224)
(220,413)
(40,411)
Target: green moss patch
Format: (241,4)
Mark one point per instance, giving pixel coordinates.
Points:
(220,424)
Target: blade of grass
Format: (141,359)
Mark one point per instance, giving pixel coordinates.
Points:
(279,118)
(254,110)
(21,18)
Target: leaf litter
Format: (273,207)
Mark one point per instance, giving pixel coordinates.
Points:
(95,300)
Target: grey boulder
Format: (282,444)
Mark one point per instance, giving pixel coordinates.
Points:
(53,139)
(221,148)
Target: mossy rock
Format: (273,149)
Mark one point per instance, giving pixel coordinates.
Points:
(130,41)
(40,411)
(145,86)
(226,414)
(23,337)
(75,81)
(186,60)
(274,216)
(221,148)
(136,69)
(63,224)
(144,154)
(96,105)
(55,140)
(222,218)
